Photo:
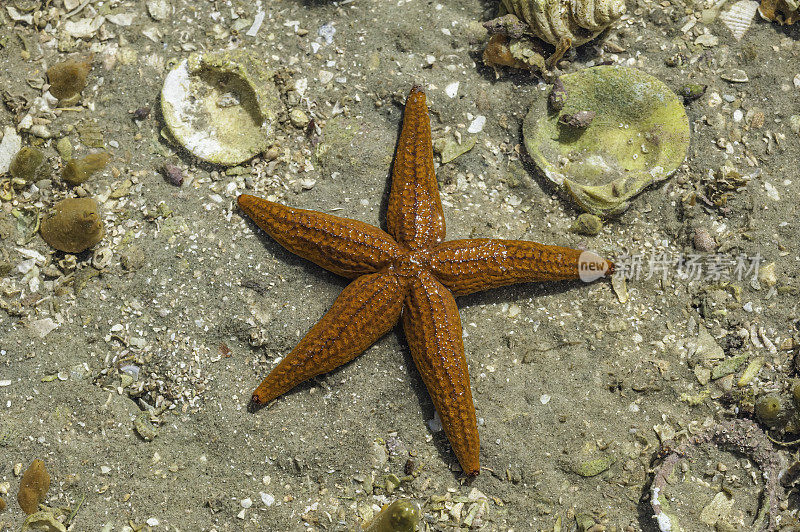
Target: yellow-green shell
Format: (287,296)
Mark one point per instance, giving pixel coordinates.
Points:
(222,107)
(640,135)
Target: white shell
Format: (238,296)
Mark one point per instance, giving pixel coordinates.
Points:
(739,17)
(580,21)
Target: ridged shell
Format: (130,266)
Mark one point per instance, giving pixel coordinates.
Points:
(739,17)
(580,21)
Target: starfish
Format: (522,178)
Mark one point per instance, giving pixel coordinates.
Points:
(409,272)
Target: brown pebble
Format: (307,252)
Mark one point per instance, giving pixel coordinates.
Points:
(141,113)
(33,487)
(703,241)
(74,226)
(2,504)
(587,224)
(76,171)
(68,78)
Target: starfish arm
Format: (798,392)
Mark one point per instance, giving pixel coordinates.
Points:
(433,330)
(366,310)
(414,216)
(466,266)
(346,247)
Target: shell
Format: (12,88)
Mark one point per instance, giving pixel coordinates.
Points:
(221,106)
(580,21)
(780,11)
(739,17)
(639,135)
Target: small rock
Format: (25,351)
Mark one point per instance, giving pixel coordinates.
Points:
(299,118)
(587,224)
(767,275)
(132,258)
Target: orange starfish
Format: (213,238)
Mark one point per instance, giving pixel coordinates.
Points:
(408,271)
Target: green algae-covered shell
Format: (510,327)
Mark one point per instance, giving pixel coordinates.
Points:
(222,107)
(640,135)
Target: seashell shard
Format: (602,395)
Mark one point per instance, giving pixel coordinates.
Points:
(739,17)
(579,21)
(639,135)
(222,107)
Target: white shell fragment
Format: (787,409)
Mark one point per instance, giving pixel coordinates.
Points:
(222,107)
(580,21)
(739,17)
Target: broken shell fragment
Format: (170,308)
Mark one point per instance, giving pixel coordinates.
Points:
(639,135)
(222,107)
(74,226)
(739,17)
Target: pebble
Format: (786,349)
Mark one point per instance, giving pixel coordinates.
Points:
(587,224)
(299,118)
(452,89)
(767,275)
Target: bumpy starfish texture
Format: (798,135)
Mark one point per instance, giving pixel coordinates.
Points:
(410,272)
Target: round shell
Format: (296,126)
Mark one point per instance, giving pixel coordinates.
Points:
(639,135)
(220,106)
(580,21)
